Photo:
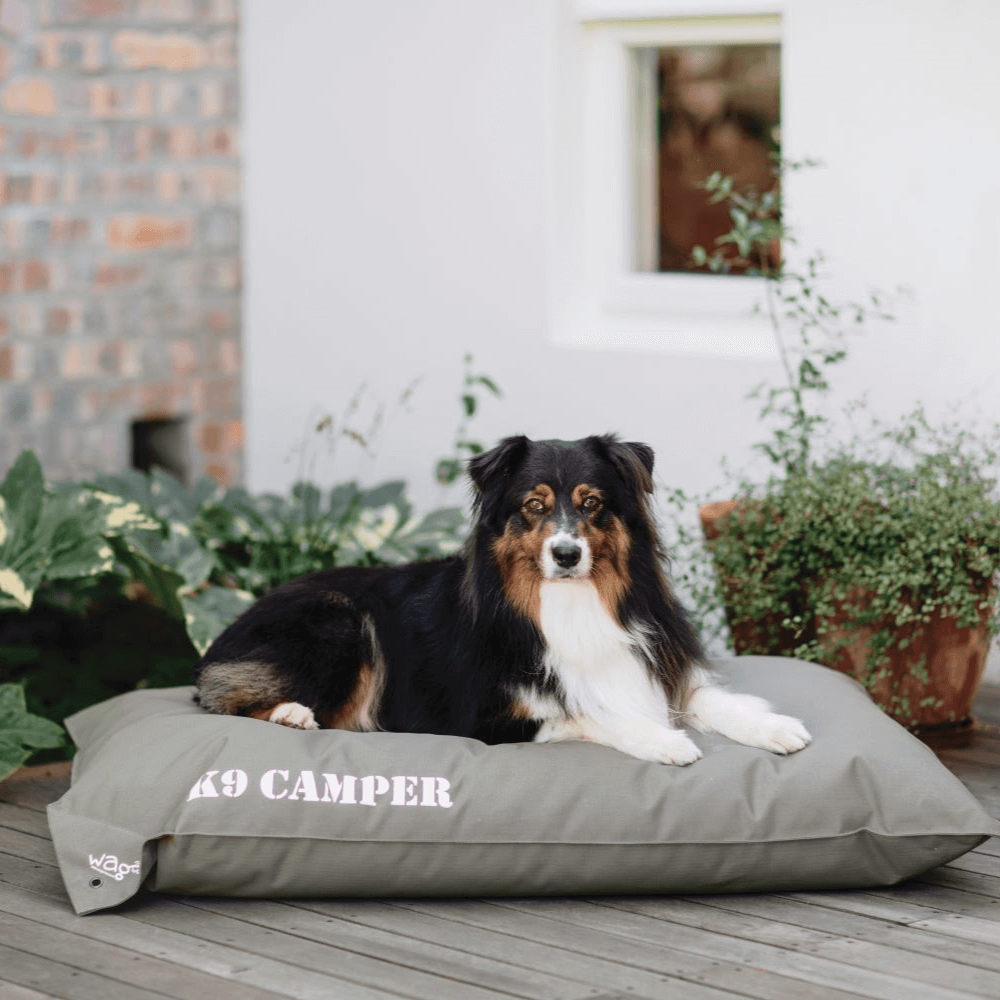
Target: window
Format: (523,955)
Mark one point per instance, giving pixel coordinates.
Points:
(700,109)
(642,108)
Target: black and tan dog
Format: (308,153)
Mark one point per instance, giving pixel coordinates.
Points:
(556,622)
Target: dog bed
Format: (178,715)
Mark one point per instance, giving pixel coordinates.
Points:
(181,801)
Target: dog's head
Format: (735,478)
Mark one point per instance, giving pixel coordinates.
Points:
(563,510)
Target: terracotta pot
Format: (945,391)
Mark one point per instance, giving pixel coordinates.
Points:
(711,513)
(929,685)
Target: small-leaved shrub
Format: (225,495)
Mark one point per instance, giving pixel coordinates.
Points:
(881,548)
(867,543)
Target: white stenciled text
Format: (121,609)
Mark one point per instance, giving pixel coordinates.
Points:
(281,784)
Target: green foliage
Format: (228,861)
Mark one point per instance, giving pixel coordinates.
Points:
(809,329)
(61,533)
(878,544)
(218,550)
(449,469)
(869,542)
(84,641)
(21,733)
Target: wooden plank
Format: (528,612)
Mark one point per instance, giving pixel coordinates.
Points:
(434,957)
(12,992)
(841,947)
(940,899)
(981,758)
(58,771)
(36,787)
(14,817)
(968,928)
(115,961)
(981,864)
(987,734)
(270,973)
(585,929)
(869,904)
(34,875)
(209,972)
(986,753)
(991,847)
(317,956)
(954,878)
(608,963)
(53,978)
(787,951)
(28,846)
(987,704)
(919,937)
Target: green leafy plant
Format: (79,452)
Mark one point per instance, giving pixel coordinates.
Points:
(60,533)
(854,563)
(217,550)
(450,468)
(856,556)
(21,733)
(809,329)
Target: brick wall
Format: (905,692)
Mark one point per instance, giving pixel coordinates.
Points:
(119,230)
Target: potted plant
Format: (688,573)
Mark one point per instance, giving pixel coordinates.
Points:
(876,558)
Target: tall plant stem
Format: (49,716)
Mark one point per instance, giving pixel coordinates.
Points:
(801,418)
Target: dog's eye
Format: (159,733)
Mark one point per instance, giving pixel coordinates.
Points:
(534,505)
(590,504)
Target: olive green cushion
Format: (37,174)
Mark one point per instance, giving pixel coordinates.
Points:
(169,796)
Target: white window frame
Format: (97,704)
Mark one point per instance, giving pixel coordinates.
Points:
(598,299)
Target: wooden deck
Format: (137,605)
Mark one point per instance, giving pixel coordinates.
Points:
(936,938)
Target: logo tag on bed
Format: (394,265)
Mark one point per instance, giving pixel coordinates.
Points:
(343,789)
(108,864)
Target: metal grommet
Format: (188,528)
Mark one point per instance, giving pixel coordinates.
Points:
(96,883)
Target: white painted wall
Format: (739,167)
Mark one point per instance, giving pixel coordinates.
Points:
(402,162)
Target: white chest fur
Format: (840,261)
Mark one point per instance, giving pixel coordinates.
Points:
(595,660)
(611,697)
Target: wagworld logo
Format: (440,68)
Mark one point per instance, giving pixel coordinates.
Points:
(108,864)
(342,789)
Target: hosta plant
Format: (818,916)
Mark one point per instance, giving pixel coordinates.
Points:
(22,733)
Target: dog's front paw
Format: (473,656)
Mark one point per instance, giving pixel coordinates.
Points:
(667,746)
(556,730)
(294,715)
(662,745)
(777,733)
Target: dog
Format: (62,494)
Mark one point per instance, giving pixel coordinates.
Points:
(555,622)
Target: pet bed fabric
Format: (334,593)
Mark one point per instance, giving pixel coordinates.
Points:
(169,796)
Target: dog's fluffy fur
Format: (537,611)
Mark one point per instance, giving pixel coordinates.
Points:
(556,622)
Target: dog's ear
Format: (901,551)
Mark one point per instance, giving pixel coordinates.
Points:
(491,466)
(643,452)
(634,461)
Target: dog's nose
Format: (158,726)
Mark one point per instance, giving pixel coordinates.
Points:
(566,554)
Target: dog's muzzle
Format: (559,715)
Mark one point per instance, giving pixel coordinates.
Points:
(566,554)
(565,557)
